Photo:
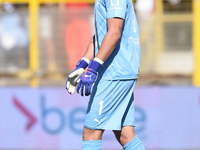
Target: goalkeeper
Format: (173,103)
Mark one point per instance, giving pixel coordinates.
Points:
(113,60)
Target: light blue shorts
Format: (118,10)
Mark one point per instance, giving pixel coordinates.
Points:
(111,105)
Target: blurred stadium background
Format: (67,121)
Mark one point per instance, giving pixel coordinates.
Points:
(42,40)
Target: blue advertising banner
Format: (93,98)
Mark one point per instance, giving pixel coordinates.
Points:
(50,118)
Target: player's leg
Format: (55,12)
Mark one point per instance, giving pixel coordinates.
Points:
(92,139)
(109,105)
(128,139)
(125,135)
(90,134)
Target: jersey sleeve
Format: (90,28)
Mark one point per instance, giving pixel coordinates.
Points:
(116,8)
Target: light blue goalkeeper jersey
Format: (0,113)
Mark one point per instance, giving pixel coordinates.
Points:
(124,62)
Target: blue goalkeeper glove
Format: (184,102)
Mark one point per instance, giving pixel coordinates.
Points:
(73,78)
(88,79)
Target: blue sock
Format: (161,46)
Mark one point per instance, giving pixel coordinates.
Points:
(91,145)
(134,144)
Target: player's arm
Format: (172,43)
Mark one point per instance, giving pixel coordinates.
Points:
(72,80)
(109,43)
(111,39)
(89,53)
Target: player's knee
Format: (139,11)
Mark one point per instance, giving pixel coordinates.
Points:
(124,139)
(89,134)
(127,134)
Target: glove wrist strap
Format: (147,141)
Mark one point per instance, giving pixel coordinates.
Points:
(94,65)
(82,64)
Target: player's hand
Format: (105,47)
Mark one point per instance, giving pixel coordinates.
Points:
(87,81)
(73,78)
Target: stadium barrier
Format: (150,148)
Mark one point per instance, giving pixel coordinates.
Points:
(168,35)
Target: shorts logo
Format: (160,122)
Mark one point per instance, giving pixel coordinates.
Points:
(97,120)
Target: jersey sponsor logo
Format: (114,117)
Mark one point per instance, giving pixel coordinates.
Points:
(134,26)
(135,41)
(130,39)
